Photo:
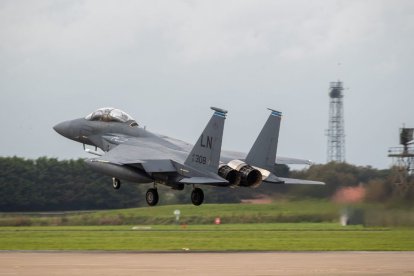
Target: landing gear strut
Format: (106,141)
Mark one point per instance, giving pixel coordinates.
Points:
(197,196)
(152,197)
(116,183)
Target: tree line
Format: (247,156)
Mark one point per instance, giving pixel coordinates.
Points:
(49,184)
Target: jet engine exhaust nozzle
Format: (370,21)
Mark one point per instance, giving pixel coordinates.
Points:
(250,177)
(230,174)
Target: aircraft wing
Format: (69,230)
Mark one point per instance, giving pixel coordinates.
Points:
(292,161)
(159,160)
(140,151)
(227,156)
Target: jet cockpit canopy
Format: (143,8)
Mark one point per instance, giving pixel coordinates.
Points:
(110,114)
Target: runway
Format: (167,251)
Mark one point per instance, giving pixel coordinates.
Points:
(272,263)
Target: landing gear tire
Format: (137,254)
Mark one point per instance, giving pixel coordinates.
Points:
(116,183)
(197,196)
(152,197)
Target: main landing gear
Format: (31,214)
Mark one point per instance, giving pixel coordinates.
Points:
(197,196)
(152,197)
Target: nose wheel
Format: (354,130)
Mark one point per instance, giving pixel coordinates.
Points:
(116,183)
(152,197)
(197,196)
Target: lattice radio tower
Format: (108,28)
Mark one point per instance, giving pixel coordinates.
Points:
(336,131)
(403,161)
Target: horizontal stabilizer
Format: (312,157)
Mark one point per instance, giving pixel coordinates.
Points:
(300,181)
(271,178)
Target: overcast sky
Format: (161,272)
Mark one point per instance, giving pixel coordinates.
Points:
(166,62)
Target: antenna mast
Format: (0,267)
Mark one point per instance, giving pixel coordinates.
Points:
(403,157)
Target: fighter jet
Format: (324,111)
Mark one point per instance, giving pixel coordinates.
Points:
(134,154)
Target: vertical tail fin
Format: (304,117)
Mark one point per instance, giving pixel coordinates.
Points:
(263,152)
(205,154)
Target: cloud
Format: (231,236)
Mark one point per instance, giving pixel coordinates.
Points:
(243,55)
(195,31)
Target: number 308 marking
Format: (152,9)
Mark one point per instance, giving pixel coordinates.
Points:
(199,159)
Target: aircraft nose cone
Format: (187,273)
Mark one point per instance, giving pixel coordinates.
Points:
(62,128)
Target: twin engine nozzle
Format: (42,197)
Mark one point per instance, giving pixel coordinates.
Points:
(238,173)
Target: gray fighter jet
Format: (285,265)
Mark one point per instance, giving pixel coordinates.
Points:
(134,154)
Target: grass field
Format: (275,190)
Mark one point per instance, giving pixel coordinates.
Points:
(267,227)
(277,212)
(231,237)
(298,211)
